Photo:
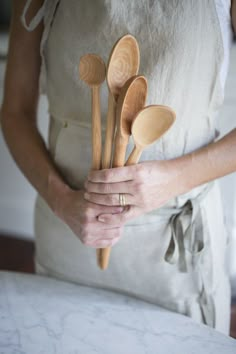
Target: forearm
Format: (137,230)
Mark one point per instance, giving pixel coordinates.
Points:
(30,153)
(206,164)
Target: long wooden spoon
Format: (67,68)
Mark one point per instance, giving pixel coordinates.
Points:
(123,63)
(148,126)
(92,71)
(131,100)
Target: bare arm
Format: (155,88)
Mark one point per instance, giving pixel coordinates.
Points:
(18,113)
(18,117)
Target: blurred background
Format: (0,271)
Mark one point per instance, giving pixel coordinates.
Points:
(17,196)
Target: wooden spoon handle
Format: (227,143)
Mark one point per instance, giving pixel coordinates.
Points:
(118,161)
(103,257)
(96,129)
(110,129)
(96,133)
(120,150)
(134,156)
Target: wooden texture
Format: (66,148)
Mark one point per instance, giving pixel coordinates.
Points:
(92,71)
(110,129)
(123,64)
(148,126)
(131,100)
(96,129)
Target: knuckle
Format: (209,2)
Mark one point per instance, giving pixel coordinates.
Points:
(107,188)
(106,175)
(115,240)
(142,195)
(138,187)
(108,199)
(139,172)
(88,212)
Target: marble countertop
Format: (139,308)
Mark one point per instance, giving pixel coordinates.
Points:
(41,315)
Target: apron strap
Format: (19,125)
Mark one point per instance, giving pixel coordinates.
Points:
(35,20)
(188,241)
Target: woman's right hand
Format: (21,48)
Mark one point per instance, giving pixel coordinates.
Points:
(82,216)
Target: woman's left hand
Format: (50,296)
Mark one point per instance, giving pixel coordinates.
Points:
(145,186)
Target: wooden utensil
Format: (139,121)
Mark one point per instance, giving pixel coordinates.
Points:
(92,71)
(131,100)
(123,63)
(148,126)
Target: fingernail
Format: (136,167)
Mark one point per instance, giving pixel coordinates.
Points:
(100,218)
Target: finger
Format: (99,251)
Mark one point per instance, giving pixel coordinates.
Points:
(110,199)
(121,218)
(104,243)
(107,239)
(113,175)
(93,210)
(109,188)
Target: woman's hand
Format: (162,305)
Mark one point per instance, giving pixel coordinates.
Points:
(146,186)
(82,216)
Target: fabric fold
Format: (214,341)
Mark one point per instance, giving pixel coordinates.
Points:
(187,243)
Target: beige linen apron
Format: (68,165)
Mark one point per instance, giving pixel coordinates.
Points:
(173,256)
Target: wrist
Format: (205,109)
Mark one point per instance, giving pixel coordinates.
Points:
(177,175)
(58,193)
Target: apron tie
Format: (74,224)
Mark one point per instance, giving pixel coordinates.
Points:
(35,20)
(187,243)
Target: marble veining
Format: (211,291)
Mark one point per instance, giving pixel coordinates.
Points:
(42,315)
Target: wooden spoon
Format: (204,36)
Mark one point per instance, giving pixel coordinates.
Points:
(92,71)
(148,126)
(131,100)
(123,63)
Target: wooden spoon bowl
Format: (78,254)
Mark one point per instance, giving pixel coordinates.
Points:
(148,126)
(92,70)
(131,100)
(123,63)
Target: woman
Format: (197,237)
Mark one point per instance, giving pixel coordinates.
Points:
(169,241)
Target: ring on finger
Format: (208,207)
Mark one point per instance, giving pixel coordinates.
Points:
(122,199)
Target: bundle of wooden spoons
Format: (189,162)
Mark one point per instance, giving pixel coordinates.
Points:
(127,114)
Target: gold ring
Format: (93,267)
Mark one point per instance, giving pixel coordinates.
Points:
(122,200)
